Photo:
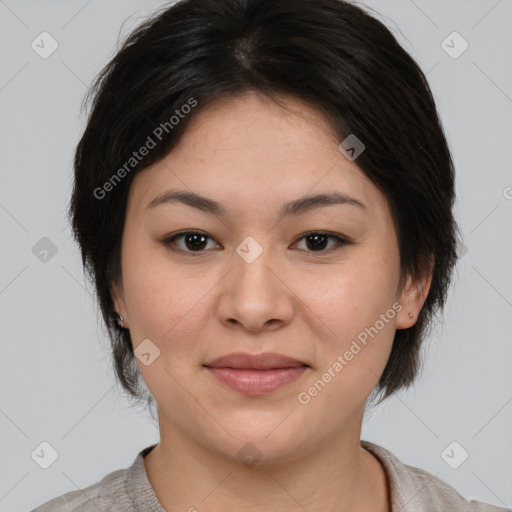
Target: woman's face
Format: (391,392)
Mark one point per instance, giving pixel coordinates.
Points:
(256,284)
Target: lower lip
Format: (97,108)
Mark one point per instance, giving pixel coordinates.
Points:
(257,382)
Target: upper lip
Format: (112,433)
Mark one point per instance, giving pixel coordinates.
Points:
(245,361)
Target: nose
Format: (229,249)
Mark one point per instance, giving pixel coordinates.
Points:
(255,293)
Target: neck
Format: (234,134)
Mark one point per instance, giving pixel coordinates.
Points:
(337,475)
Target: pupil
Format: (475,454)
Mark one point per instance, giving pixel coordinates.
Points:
(317,245)
(194,245)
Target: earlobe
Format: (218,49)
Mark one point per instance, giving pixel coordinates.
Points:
(119,306)
(412,298)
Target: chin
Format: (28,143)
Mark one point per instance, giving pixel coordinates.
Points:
(256,442)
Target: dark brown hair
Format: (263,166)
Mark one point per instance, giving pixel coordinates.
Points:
(329,53)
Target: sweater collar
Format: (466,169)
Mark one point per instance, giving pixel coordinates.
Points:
(406,493)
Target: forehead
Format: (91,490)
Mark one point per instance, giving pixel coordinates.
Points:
(252,153)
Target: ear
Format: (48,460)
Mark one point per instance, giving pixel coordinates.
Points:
(413,297)
(119,302)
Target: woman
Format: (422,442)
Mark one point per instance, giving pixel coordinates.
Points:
(263,198)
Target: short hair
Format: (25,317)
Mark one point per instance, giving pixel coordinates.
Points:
(331,54)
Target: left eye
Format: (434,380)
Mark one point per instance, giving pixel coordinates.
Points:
(318,240)
(196,241)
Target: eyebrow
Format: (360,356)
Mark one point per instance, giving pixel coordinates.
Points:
(297,207)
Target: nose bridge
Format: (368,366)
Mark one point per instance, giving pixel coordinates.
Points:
(254,294)
(253,261)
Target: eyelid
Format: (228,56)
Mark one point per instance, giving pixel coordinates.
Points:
(339,236)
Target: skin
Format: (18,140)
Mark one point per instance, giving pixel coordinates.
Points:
(252,155)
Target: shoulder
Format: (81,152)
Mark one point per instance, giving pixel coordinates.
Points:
(108,494)
(415,490)
(436,491)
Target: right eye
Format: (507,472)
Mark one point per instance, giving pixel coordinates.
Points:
(193,241)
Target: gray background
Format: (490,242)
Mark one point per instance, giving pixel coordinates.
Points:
(57,384)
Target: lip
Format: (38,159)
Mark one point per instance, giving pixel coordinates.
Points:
(257,382)
(245,361)
(256,375)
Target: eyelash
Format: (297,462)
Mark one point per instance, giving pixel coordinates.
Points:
(340,241)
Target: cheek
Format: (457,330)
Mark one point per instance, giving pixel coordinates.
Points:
(352,350)
(355,322)
(169,305)
(166,309)
(157,297)
(351,297)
